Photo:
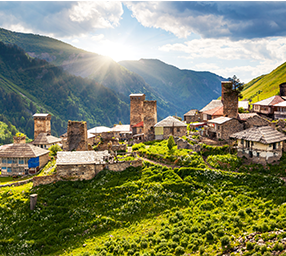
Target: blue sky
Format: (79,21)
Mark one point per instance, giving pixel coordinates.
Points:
(246,39)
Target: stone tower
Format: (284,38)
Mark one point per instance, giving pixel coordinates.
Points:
(42,124)
(229,100)
(77,136)
(282,89)
(150,115)
(136,108)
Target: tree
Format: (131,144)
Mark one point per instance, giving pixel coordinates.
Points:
(54,150)
(171,143)
(237,86)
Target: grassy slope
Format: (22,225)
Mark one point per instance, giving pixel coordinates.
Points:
(265,86)
(152,210)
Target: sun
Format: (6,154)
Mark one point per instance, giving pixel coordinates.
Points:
(118,51)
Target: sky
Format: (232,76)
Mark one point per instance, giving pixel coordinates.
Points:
(246,39)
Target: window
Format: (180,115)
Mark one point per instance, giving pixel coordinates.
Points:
(15,161)
(274,145)
(4,161)
(178,129)
(242,141)
(21,161)
(4,169)
(9,169)
(9,161)
(252,143)
(257,154)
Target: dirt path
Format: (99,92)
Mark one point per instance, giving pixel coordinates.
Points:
(163,164)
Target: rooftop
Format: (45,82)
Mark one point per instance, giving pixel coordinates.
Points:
(22,150)
(192,112)
(245,116)
(269,101)
(41,115)
(44,139)
(82,157)
(124,128)
(99,129)
(170,122)
(211,105)
(263,134)
(217,111)
(136,94)
(140,124)
(220,120)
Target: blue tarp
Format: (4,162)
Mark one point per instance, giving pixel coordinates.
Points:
(33,162)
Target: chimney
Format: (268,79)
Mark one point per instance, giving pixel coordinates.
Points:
(19,139)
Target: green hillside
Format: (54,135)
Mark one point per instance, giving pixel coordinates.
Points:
(150,211)
(185,88)
(28,85)
(265,86)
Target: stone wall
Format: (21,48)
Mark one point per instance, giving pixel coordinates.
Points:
(136,109)
(226,129)
(42,124)
(229,99)
(77,136)
(76,171)
(194,118)
(175,131)
(43,160)
(149,116)
(44,180)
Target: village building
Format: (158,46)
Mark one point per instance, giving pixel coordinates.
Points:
(260,144)
(76,139)
(266,107)
(192,116)
(20,158)
(122,131)
(197,126)
(280,110)
(44,140)
(250,120)
(169,126)
(222,127)
(144,111)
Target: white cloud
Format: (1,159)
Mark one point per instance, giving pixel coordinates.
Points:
(259,50)
(97,37)
(98,14)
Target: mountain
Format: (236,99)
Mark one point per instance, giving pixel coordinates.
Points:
(185,88)
(176,91)
(28,85)
(265,86)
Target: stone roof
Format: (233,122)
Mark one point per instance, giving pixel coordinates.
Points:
(22,150)
(263,134)
(220,120)
(269,101)
(192,112)
(137,94)
(41,115)
(170,122)
(213,104)
(124,128)
(44,139)
(218,111)
(81,157)
(99,129)
(245,116)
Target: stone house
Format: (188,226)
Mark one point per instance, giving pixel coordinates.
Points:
(214,105)
(44,140)
(169,126)
(250,120)
(260,144)
(122,131)
(223,127)
(86,164)
(20,158)
(280,110)
(192,116)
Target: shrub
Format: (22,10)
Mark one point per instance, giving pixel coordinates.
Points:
(209,235)
(179,250)
(171,143)
(225,240)
(138,146)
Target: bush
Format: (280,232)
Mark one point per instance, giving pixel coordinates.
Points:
(225,240)
(138,146)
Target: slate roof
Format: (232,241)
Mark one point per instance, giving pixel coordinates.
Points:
(213,104)
(44,139)
(245,116)
(22,150)
(220,120)
(281,104)
(192,112)
(263,134)
(81,157)
(99,129)
(124,128)
(136,94)
(170,122)
(269,101)
(41,115)
(218,111)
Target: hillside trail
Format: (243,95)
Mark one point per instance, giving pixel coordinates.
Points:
(163,164)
